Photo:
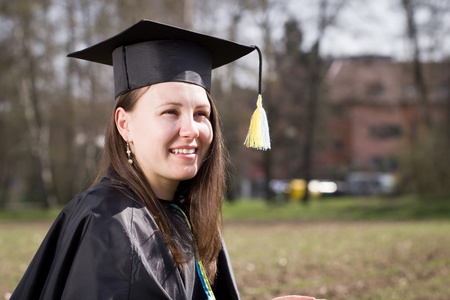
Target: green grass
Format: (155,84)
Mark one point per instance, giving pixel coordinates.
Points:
(35,214)
(320,209)
(342,209)
(19,241)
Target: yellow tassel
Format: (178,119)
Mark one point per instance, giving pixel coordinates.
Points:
(258,133)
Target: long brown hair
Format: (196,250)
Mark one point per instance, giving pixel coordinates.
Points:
(204,193)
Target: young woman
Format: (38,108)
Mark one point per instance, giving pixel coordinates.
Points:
(150,226)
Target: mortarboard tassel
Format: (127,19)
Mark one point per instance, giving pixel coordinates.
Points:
(258,136)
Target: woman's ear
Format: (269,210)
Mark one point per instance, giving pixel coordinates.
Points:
(122,119)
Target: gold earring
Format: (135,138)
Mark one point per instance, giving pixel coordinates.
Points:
(130,161)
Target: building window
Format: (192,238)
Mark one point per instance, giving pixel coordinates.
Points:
(385,131)
(443,93)
(384,164)
(376,90)
(410,91)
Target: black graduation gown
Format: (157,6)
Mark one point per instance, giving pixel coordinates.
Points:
(103,245)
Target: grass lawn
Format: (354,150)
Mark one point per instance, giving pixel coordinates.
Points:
(19,241)
(343,209)
(333,248)
(341,260)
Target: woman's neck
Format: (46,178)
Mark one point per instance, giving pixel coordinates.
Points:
(164,190)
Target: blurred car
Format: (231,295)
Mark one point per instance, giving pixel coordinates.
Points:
(328,187)
(371,183)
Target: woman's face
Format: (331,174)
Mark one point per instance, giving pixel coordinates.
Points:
(169,132)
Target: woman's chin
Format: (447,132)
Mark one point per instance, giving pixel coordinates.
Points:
(186,173)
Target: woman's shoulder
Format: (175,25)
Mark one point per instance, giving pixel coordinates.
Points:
(107,195)
(108,188)
(106,202)
(91,241)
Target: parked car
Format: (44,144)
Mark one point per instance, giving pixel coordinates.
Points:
(371,183)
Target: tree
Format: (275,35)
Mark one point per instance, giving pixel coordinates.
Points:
(328,12)
(288,91)
(410,7)
(424,166)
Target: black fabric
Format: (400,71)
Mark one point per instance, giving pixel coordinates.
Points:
(159,61)
(186,65)
(104,245)
(185,240)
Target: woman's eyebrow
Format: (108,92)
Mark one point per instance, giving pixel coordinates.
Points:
(171,103)
(208,106)
(175,103)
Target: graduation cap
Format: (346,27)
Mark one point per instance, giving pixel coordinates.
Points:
(150,52)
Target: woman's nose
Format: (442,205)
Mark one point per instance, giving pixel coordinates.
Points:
(189,128)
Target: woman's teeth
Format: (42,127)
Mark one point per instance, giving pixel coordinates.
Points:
(182,151)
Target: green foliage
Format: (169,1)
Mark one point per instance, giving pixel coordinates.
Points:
(425,168)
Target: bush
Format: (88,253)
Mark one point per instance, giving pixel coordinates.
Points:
(425,168)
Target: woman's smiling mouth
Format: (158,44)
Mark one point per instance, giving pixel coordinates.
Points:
(183,151)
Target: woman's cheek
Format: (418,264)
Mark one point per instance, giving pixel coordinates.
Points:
(208,132)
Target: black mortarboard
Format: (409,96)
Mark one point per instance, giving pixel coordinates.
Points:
(150,52)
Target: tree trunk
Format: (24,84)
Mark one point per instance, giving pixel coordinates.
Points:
(311,116)
(418,74)
(39,141)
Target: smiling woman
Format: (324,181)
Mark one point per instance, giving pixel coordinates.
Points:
(150,226)
(169,133)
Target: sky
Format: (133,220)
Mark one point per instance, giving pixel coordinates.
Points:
(378,28)
(362,27)
(370,27)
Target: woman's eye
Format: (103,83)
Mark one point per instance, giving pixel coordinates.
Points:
(202,114)
(171,112)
